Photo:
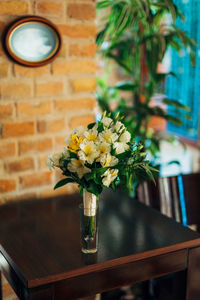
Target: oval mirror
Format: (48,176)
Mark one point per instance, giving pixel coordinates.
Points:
(32,41)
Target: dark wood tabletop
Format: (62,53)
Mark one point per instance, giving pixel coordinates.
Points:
(41,255)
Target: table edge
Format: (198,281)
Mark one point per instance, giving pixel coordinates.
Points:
(32,283)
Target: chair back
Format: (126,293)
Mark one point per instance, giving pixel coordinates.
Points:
(177,197)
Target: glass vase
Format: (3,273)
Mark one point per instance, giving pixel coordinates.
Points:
(89,223)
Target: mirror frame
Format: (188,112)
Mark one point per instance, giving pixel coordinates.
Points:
(23,21)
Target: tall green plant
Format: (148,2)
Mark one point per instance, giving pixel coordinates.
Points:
(136,35)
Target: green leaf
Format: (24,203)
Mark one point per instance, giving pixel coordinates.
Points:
(101,171)
(94,188)
(126,86)
(100,127)
(63,182)
(91,125)
(89,176)
(176,104)
(174,120)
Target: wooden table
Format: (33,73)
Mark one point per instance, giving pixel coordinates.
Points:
(41,258)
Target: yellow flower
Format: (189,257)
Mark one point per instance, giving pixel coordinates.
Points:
(74,145)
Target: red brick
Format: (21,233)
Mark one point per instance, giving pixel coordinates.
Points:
(6,110)
(85,103)
(51,126)
(78,31)
(13,7)
(81,11)
(60,141)
(34,109)
(15,90)
(30,72)
(18,129)
(7,185)
(35,179)
(74,67)
(42,162)
(83,120)
(3,70)
(84,84)
(49,88)
(88,50)
(50,8)
(7,149)
(20,165)
(35,146)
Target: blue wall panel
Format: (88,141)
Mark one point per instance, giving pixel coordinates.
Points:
(186,87)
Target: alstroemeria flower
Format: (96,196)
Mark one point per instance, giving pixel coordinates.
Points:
(91,134)
(53,160)
(120,147)
(109,176)
(107,160)
(106,122)
(88,151)
(77,166)
(108,136)
(119,127)
(125,137)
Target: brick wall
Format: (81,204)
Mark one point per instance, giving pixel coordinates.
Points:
(39,106)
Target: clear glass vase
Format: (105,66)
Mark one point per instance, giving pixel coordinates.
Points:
(89,223)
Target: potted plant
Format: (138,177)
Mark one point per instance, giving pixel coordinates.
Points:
(136,35)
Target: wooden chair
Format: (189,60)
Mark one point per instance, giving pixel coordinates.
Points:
(177,197)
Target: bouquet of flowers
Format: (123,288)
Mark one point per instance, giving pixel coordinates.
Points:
(102,155)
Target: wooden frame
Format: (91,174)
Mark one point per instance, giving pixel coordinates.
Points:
(41,38)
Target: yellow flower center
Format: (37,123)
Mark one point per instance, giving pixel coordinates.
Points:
(88,149)
(91,137)
(107,137)
(107,163)
(113,174)
(77,163)
(102,148)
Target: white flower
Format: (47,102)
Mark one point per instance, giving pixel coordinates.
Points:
(78,131)
(66,154)
(53,160)
(120,147)
(119,127)
(49,162)
(106,122)
(88,152)
(107,160)
(104,148)
(108,136)
(91,134)
(125,137)
(77,166)
(109,176)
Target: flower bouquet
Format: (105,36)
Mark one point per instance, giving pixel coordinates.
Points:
(102,155)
